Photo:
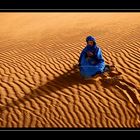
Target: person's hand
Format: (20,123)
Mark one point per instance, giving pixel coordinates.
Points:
(89,54)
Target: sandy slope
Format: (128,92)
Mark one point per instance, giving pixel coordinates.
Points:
(39,85)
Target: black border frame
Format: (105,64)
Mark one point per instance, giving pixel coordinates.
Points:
(56,6)
(69,4)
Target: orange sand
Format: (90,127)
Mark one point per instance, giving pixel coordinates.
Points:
(39,85)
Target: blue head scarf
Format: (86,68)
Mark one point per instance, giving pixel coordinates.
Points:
(93,48)
(90,38)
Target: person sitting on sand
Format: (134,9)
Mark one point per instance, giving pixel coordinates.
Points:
(91,61)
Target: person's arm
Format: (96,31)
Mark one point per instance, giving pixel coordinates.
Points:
(99,56)
(83,53)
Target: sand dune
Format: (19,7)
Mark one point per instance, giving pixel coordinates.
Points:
(40,85)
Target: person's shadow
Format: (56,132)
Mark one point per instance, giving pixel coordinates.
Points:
(68,79)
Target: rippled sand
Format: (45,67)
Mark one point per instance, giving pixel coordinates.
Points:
(39,83)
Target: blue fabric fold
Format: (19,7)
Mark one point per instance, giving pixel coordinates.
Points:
(90,66)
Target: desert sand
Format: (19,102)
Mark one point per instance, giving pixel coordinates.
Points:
(40,85)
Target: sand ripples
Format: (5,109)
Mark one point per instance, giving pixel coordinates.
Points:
(40,85)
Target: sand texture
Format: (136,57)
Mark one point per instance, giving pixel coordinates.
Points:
(40,85)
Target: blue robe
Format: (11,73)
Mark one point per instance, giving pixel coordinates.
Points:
(93,65)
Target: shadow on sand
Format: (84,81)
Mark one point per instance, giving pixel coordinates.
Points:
(67,79)
(71,77)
